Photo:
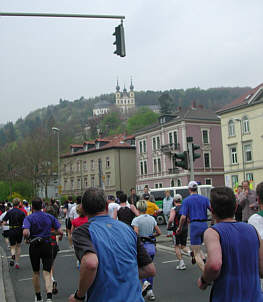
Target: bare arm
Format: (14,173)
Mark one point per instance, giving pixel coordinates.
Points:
(171,218)
(115,214)
(136,229)
(260,256)
(214,257)
(134,210)
(158,231)
(181,223)
(26,233)
(147,271)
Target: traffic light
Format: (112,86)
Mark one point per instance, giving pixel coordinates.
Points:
(184,160)
(195,155)
(119,41)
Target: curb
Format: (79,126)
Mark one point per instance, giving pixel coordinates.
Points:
(7,293)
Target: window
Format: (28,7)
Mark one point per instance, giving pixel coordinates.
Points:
(233,155)
(78,166)
(79,183)
(160,185)
(207,160)
(71,167)
(92,164)
(172,137)
(86,182)
(245,125)
(85,167)
(72,184)
(247,152)
(107,162)
(155,166)
(92,182)
(179,183)
(140,144)
(108,180)
(65,168)
(141,168)
(158,142)
(234,179)
(231,128)
(154,143)
(144,146)
(145,167)
(208,181)
(156,186)
(159,165)
(65,184)
(249,176)
(205,136)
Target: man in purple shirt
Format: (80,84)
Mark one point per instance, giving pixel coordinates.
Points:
(37,229)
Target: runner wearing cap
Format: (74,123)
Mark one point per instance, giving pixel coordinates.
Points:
(195,208)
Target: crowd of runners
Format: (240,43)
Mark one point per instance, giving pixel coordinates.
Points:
(114,239)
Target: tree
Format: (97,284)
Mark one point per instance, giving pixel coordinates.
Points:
(166,104)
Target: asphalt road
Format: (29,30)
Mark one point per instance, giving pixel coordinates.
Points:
(169,285)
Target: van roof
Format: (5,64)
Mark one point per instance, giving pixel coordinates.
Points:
(181,187)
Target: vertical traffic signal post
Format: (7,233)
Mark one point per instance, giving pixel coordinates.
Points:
(119,30)
(192,154)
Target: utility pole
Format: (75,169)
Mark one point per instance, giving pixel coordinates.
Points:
(189,141)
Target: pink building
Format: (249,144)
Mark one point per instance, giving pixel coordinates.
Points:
(157,144)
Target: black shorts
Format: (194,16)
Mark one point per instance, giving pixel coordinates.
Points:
(55,250)
(15,236)
(6,234)
(41,251)
(181,238)
(68,224)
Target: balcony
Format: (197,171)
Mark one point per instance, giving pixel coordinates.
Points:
(170,148)
(174,171)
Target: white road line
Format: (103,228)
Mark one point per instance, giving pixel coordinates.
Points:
(60,252)
(171,261)
(26,279)
(66,256)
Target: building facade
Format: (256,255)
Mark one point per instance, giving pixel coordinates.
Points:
(242,137)
(125,101)
(107,163)
(101,108)
(157,144)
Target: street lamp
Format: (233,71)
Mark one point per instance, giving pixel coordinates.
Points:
(58,132)
(242,148)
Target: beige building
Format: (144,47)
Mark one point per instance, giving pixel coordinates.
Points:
(108,163)
(125,101)
(242,138)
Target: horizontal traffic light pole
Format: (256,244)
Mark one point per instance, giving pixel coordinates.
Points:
(48,15)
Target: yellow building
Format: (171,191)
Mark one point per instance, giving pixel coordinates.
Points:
(242,138)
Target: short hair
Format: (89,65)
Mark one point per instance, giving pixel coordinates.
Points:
(146,187)
(118,193)
(93,201)
(141,206)
(193,189)
(16,202)
(167,191)
(132,189)
(79,210)
(247,181)
(223,202)
(70,198)
(123,197)
(78,200)
(259,191)
(50,210)
(37,204)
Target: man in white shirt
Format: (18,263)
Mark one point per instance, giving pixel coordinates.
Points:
(112,206)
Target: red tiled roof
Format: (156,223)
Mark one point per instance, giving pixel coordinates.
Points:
(129,137)
(76,146)
(242,100)
(89,143)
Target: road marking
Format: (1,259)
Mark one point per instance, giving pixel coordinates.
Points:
(26,279)
(171,261)
(66,256)
(60,252)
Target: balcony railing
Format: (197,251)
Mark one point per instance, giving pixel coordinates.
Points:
(169,148)
(174,171)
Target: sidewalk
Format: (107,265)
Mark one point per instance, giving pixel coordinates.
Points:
(7,293)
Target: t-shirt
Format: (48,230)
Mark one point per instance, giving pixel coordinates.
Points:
(69,207)
(79,221)
(73,212)
(145,223)
(15,217)
(177,219)
(119,254)
(40,224)
(257,221)
(195,207)
(112,207)
(151,207)
(23,210)
(167,205)
(5,227)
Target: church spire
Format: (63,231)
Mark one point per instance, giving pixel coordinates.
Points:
(131,86)
(117,86)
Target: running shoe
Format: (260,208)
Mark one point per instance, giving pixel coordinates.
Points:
(150,295)
(12,261)
(145,288)
(181,265)
(55,290)
(36,300)
(193,258)
(49,300)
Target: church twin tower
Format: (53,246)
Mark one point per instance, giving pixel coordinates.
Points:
(124,100)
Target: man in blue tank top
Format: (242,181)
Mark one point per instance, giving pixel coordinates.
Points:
(235,254)
(195,208)
(112,260)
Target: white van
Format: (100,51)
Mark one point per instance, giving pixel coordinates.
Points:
(159,195)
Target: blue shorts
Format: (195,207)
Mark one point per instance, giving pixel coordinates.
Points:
(197,230)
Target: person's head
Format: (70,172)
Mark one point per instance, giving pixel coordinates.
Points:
(16,202)
(133,191)
(78,200)
(50,210)
(118,193)
(93,201)
(25,203)
(192,186)
(239,189)
(245,185)
(141,206)
(37,204)
(146,189)
(167,193)
(259,191)
(9,205)
(110,198)
(223,202)
(70,199)
(80,211)
(146,196)
(123,198)
(177,199)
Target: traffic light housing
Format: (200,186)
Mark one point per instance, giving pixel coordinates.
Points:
(183,160)
(119,41)
(195,155)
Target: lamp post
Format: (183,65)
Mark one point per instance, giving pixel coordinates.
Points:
(58,132)
(242,148)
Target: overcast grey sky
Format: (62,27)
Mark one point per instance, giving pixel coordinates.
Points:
(169,44)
